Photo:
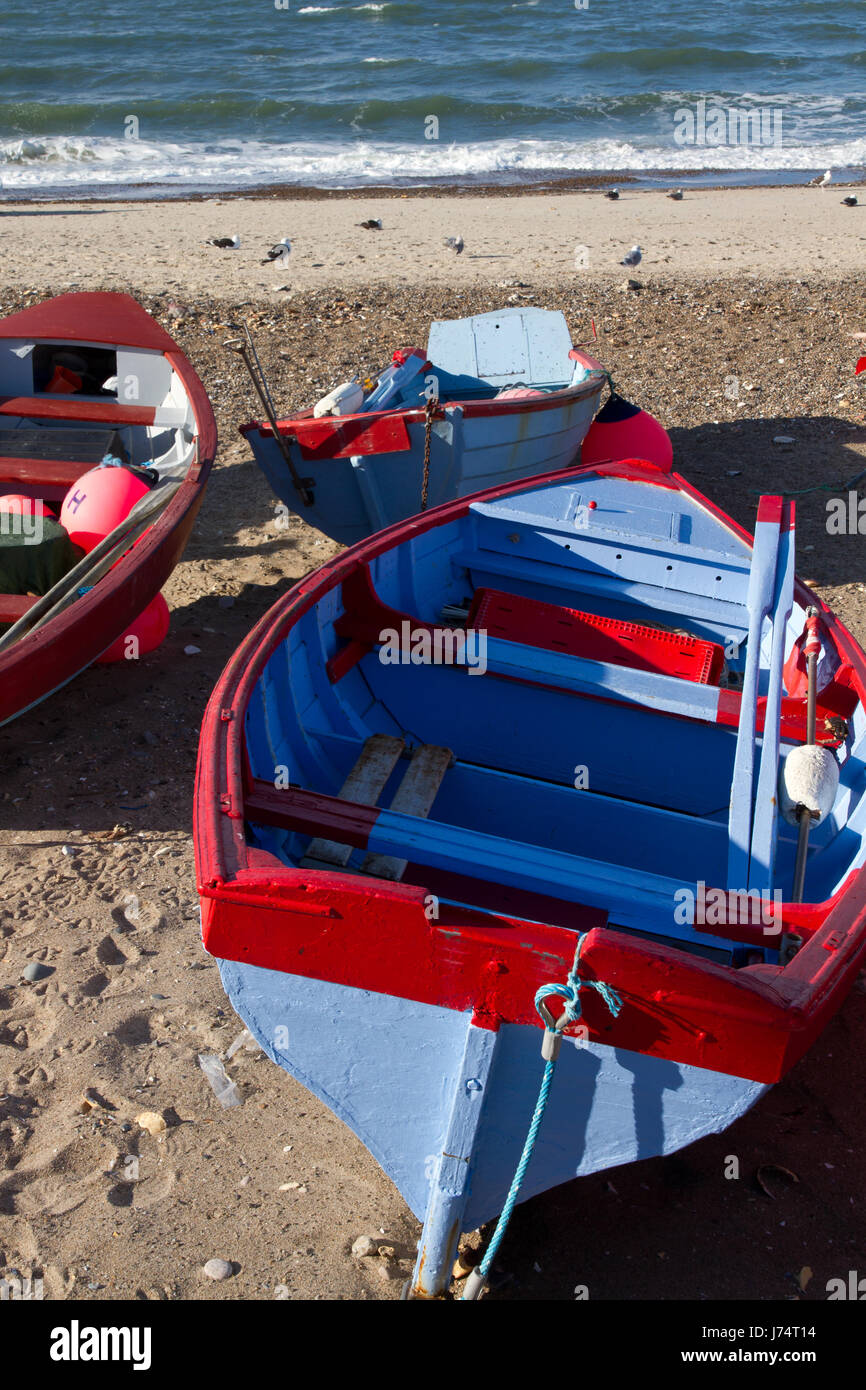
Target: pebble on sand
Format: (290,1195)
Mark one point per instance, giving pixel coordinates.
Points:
(219,1269)
(363,1246)
(36,971)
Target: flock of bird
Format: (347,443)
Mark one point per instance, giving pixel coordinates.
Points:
(280,252)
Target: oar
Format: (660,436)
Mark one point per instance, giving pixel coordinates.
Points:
(759,600)
(763,847)
(813,647)
(93,566)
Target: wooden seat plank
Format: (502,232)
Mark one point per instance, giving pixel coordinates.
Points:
(42,472)
(76,408)
(364,785)
(414,797)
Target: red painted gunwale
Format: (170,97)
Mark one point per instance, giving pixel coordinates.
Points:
(65,646)
(754,1022)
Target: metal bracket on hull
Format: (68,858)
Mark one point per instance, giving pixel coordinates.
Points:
(452,1179)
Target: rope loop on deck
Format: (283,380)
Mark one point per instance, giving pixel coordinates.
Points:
(553,1030)
(570,992)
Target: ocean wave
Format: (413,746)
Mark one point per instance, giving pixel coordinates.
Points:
(65,165)
(346,9)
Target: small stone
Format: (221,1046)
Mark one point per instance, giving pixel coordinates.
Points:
(219,1269)
(388,1270)
(629,284)
(191,650)
(784,439)
(36,971)
(226,601)
(363,1246)
(68,851)
(150,738)
(152,1122)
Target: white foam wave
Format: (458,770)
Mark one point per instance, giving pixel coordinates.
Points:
(334,9)
(65,164)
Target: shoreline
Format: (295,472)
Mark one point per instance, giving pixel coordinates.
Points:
(533,183)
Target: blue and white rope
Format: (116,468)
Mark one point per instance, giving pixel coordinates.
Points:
(570,992)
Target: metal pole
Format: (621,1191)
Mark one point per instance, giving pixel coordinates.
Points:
(257,376)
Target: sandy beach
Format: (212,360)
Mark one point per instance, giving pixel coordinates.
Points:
(761,286)
(581,236)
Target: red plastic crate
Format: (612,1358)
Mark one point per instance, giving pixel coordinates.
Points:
(536,624)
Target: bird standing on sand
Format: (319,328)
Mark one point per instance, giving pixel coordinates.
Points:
(372,224)
(279,253)
(455,243)
(632,257)
(225,243)
(850,200)
(613,194)
(676,194)
(822,181)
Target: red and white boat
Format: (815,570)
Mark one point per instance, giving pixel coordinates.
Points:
(81,376)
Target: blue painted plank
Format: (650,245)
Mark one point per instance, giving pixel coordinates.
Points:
(667,694)
(638,899)
(763,845)
(760,598)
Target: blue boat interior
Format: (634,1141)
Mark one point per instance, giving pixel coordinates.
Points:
(578,785)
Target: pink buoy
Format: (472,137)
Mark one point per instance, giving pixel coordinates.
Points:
(20,505)
(98,502)
(145,634)
(622,430)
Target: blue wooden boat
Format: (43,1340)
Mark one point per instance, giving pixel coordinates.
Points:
(493,398)
(552,713)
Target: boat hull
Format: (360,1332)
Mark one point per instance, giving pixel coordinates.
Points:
(388,1067)
(472,447)
(170,401)
(390,953)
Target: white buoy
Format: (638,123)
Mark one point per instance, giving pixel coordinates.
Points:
(343,400)
(808,777)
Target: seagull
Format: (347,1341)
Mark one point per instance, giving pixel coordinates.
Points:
(822,181)
(279,253)
(850,200)
(613,194)
(676,194)
(632,257)
(225,243)
(373,224)
(455,243)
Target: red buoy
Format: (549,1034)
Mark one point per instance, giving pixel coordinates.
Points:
(622,430)
(98,502)
(17,504)
(147,632)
